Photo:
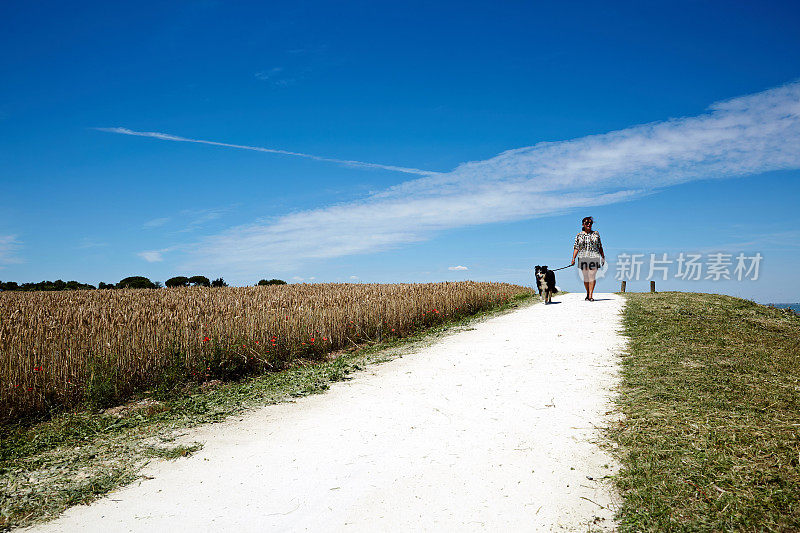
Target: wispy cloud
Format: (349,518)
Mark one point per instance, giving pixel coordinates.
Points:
(459,267)
(87,243)
(188,220)
(9,246)
(155,223)
(310,279)
(275,76)
(200,217)
(269,74)
(776,241)
(746,135)
(374,225)
(347,162)
(749,242)
(152,256)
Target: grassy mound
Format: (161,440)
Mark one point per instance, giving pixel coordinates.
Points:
(711,400)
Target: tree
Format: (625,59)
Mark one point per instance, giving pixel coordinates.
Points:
(272,282)
(219,282)
(200,281)
(177,281)
(75,285)
(102,285)
(58,285)
(136,282)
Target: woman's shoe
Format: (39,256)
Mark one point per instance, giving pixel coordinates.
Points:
(587,298)
(591,299)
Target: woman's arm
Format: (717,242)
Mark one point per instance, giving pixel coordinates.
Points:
(600,246)
(575,251)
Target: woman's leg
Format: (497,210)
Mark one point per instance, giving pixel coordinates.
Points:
(590,281)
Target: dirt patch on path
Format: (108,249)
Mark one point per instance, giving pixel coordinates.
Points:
(487,429)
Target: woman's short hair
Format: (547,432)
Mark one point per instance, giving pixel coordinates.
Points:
(585,220)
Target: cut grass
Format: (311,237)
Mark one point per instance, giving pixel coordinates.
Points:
(710,394)
(172,452)
(76,457)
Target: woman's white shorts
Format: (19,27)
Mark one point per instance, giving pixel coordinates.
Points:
(588,267)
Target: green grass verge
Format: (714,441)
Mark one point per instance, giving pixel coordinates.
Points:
(710,393)
(78,456)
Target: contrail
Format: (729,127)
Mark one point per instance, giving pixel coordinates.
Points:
(358,164)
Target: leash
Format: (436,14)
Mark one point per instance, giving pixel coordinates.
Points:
(562,268)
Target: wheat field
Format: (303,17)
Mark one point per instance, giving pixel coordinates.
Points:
(59,349)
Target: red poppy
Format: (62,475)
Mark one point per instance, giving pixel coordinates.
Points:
(206,339)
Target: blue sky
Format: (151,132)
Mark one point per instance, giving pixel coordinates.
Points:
(675,124)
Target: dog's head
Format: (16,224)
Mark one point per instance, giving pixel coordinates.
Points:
(537,269)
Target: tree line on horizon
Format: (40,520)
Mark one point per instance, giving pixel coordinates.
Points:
(131,282)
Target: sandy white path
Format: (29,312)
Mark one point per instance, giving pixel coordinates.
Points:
(488,429)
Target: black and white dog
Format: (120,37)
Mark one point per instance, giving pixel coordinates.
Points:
(545,282)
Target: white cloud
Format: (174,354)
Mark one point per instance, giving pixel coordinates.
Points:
(152,256)
(9,246)
(371,226)
(190,219)
(269,74)
(87,243)
(353,277)
(201,217)
(155,223)
(459,267)
(276,76)
(746,135)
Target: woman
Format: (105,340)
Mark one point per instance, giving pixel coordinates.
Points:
(590,254)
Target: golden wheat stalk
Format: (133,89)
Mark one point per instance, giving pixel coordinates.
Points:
(57,347)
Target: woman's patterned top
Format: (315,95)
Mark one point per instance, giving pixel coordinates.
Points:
(588,244)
